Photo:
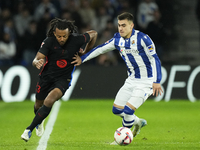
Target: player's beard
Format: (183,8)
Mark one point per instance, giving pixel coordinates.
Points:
(62,43)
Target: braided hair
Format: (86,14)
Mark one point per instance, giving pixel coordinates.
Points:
(61,24)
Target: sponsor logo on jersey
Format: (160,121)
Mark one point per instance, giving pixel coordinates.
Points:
(131,51)
(61,63)
(151,48)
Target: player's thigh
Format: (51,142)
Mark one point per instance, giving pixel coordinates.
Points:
(63,85)
(139,96)
(58,90)
(38,103)
(43,89)
(54,95)
(123,95)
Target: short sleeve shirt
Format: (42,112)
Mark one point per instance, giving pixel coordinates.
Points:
(58,58)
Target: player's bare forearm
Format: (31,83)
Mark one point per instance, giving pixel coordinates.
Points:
(93,37)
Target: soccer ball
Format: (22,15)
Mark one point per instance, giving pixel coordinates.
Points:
(123,136)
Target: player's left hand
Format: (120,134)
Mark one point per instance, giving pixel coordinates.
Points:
(77,60)
(157,89)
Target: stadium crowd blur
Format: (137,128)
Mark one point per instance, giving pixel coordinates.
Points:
(24,23)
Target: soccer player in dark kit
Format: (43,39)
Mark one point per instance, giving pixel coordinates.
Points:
(55,55)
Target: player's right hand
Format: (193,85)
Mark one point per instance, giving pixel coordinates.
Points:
(39,63)
(157,89)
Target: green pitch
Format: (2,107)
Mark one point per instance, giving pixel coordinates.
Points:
(90,125)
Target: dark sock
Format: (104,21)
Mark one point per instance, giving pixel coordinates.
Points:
(41,114)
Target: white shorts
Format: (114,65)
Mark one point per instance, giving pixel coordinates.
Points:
(134,91)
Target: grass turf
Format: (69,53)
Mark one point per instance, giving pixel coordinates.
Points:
(90,124)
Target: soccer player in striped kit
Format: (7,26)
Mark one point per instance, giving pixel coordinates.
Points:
(144,70)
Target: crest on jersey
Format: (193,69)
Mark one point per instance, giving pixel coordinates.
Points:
(133,42)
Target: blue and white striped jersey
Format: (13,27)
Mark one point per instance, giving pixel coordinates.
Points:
(138,52)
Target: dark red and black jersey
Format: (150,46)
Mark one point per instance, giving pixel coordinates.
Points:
(58,58)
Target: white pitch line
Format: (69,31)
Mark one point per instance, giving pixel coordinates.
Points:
(69,91)
(49,126)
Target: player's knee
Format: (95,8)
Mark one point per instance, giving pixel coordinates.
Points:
(38,104)
(128,110)
(116,110)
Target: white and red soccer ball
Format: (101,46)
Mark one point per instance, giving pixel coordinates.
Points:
(123,136)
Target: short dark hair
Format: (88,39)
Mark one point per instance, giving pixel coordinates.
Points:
(125,15)
(61,24)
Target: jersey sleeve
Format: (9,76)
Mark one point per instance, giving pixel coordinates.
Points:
(150,48)
(158,69)
(44,48)
(82,39)
(87,37)
(100,49)
(149,45)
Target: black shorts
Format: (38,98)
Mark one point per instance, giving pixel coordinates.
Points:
(43,88)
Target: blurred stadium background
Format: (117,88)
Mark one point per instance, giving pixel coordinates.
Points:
(23,26)
(175,26)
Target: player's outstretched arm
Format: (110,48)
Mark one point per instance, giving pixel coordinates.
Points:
(93,37)
(38,60)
